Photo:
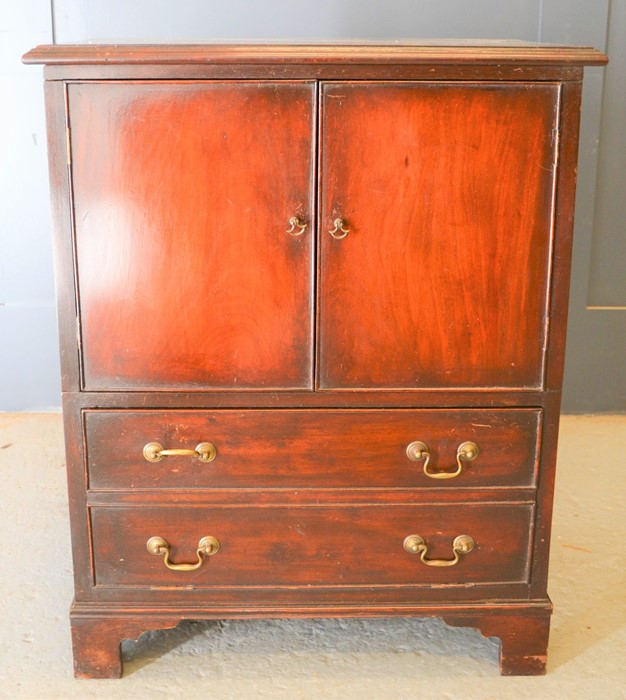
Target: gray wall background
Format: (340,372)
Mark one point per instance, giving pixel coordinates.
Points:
(595,368)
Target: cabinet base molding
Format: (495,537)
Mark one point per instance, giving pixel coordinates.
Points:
(523,628)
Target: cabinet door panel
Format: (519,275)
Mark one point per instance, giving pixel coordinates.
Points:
(447,190)
(182,196)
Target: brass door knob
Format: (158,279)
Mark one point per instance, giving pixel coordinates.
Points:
(296,224)
(339,225)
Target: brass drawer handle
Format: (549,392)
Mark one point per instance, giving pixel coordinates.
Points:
(295,222)
(207,547)
(339,225)
(414,544)
(154,452)
(466,452)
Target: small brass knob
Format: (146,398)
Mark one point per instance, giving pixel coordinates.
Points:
(417,451)
(339,225)
(463,544)
(295,223)
(468,451)
(414,544)
(209,545)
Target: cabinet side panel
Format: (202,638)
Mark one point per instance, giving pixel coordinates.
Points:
(564,228)
(559,295)
(60,199)
(80,521)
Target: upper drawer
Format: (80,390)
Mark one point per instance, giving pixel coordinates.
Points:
(314,448)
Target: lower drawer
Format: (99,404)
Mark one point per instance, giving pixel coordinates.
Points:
(312,546)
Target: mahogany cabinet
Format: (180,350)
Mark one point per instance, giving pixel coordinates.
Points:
(312,306)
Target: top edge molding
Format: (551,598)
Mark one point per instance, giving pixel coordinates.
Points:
(483,53)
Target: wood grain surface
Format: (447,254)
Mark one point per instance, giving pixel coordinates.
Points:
(311,546)
(404,52)
(447,190)
(182,198)
(315,449)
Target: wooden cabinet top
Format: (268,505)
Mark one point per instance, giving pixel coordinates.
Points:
(393,53)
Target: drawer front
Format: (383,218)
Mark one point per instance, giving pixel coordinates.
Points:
(315,449)
(312,546)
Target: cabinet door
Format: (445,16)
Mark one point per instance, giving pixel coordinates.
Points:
(447,192)
(183,194)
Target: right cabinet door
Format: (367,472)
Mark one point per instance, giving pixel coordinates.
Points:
(447,191)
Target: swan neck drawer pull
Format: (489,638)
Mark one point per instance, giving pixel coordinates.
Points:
(207,547)
(466,452)
(414,544)
(154,452)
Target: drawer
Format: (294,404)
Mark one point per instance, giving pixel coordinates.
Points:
(313,449)
(311,546)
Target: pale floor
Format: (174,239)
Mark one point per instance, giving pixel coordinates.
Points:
(362,659)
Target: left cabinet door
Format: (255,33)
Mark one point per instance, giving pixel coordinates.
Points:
(183,194)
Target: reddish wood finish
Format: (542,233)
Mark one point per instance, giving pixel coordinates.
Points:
(523,639)
(96,642)
(309,71)
(571,95)
(295,496)
(478,131)
(281,601)
(450,233)
(332,449)
(314,546)
(187,276)
(97,633)
(425,398)
(63,245)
